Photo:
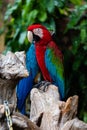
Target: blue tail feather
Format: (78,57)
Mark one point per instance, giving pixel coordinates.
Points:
(23,89)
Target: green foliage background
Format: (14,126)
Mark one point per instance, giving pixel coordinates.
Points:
(68,18)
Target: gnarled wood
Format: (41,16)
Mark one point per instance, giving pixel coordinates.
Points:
(12,65)
(12,68)
(7,91)
(74,124)
(19,122)
(49,113)
(22,122)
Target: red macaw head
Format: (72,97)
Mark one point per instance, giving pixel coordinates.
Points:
(38,34)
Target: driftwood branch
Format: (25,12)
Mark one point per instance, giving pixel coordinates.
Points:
(22,122)
(12,65)
(49,113)
(12,68)
(19,122)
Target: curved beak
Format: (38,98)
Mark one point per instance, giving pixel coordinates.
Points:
(30,36)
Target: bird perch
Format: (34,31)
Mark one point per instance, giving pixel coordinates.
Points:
(12,68)
(47,111)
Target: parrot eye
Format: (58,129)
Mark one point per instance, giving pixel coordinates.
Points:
(36,38)
(38,32)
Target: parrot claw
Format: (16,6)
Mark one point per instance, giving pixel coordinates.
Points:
(43,85)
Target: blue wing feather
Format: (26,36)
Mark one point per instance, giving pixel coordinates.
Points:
(31,62)
(25,85)
(55,68)
(23,88)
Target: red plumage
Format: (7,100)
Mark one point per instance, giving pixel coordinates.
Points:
(40,55)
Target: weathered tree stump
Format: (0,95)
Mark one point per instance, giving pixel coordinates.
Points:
(12,68)
(49,113)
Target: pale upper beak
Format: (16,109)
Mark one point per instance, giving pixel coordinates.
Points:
(30,36)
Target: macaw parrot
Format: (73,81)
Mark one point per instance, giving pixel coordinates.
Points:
(44,56)
(48,55)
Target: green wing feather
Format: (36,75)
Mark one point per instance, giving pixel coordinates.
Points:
(54,64)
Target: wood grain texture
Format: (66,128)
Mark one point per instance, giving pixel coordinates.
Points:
(49,113)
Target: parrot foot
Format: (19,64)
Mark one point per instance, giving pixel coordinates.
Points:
(43,85)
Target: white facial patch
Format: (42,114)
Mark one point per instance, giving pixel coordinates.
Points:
(38,32)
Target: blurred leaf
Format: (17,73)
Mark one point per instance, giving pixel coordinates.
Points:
(85,47)
(59,3)
(76,2)
(28,2)
(85,62)
(32,15)
(75,45)
(27,8)
(50,5)
(76,15)
(1,30)
(0,3)
(85,117)
(16,33)
(22,37)
(42,16)
(18,1)
(10,11)
(83,34)
(7,49)
(76,65)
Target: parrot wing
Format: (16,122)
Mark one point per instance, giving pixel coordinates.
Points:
(31,62)
(54,64)
(25,84)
